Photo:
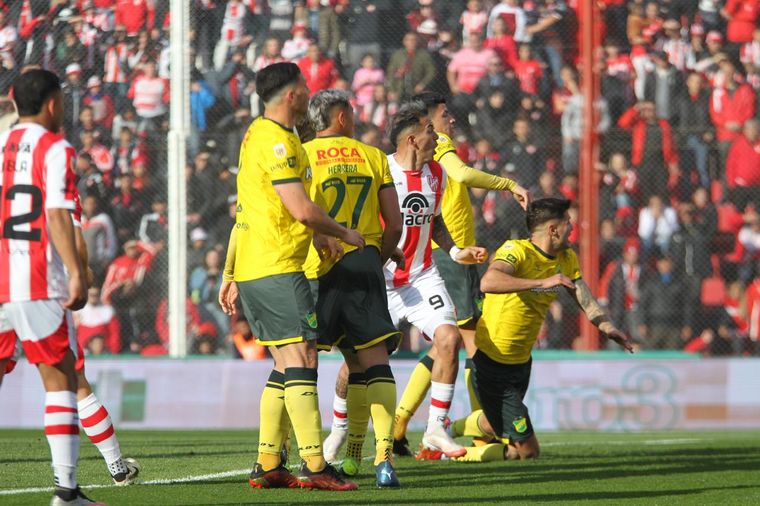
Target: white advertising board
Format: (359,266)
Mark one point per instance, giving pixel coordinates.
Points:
(608,395)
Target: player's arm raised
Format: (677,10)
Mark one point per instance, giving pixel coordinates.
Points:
(460,172)
(500,278)
(468,255)
(598,316)
(299,205)
(391,214)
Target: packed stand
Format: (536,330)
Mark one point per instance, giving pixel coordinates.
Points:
(679,178)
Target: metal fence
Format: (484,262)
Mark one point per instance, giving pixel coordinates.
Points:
(677,166)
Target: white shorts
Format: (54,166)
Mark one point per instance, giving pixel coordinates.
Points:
(44,327)
(424,303)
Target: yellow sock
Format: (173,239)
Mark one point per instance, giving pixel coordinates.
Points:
(302,404)
(414,394)
(468,366)
(487,453)
(358,415)
(468,426)
(381,395)
(272,415)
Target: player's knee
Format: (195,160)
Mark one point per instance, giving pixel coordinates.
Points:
(447,340)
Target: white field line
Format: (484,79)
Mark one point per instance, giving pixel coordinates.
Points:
(165,481)
(243,472)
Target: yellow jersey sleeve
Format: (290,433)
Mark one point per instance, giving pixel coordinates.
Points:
(281,162)
(462,173)
(229,261)
(512,253)
(444,145)
(385,173)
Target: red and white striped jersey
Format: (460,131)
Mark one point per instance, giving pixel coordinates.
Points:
(149,96)
(232,25)
(115,63)
(38,174)
(419,197)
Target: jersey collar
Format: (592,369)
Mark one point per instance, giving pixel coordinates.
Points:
(542,252)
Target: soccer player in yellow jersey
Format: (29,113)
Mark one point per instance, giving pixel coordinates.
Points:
(462,281)
(523,279)
(272,234)
(352,181)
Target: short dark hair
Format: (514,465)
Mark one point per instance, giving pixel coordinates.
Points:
(408,115)
(431,99)
(542,210)
(32,89)
(273,78)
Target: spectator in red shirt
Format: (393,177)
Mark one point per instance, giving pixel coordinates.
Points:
(318,70)
(150,97)
(732,104)
(743,167)
(742,16)
(653,152)
(528,70)
(134,15)
(503,43)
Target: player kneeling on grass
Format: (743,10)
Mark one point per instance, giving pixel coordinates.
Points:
(352,181)
(520,284)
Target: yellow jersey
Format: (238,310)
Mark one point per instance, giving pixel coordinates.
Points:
(510,323)
(269,240)
(348,175)
(456,206)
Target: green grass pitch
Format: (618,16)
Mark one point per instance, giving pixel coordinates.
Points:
(210,467)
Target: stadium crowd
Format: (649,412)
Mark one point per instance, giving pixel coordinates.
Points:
(679,172)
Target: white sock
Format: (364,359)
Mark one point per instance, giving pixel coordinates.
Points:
(340,414)
(440,402)
(62,433)
(98,427)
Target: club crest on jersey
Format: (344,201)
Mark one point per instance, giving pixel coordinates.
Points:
(311,319)
(520,424)
(280,151)
(415,210)
(433,183)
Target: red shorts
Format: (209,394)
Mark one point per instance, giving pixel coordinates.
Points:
(44,327)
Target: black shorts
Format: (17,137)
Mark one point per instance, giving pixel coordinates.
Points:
(352,305)
(500,389)
(279,309)
(463,284)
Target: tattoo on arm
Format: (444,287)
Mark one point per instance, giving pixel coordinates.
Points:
(441,234)
(589,304)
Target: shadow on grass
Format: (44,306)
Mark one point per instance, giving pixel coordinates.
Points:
(392,497)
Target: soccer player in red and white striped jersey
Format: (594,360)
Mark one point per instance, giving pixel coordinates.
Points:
(41,275)
(417,292)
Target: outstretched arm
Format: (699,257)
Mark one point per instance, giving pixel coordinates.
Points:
(598,316)
(460,172)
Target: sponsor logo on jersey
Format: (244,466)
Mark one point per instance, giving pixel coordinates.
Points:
(335,152)
(511,258)
(280,151)
(416,210)
(291,161)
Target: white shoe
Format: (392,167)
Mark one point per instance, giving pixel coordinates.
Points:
(128,478)
(436,438)
(333,444)
(77,498)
